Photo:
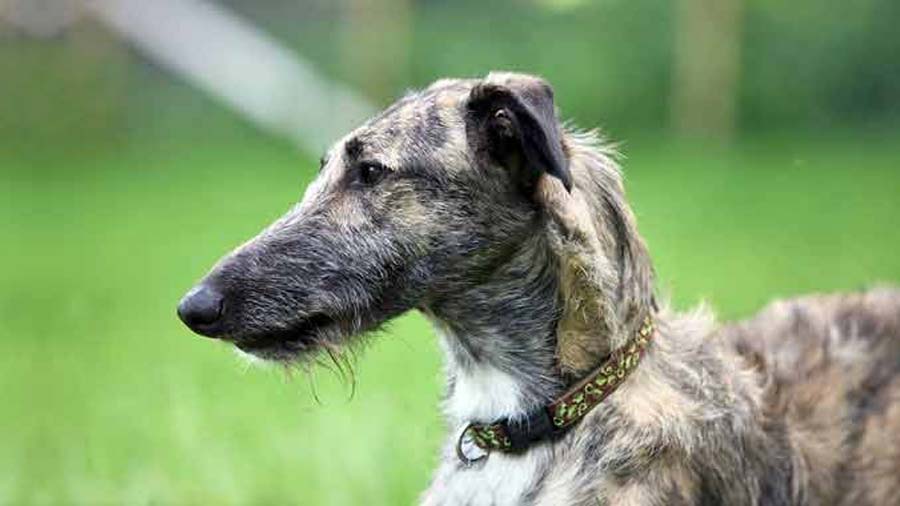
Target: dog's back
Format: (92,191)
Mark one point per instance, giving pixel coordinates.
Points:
(831,365)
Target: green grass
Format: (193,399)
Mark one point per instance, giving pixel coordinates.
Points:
(108,399)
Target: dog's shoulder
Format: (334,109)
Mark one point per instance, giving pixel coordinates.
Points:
(830,367)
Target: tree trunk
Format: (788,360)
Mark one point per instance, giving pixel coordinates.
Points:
(376,42)
(707,67)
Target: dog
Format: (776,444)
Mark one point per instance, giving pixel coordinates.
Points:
(567,381)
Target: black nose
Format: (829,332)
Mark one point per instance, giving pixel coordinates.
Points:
(201,308)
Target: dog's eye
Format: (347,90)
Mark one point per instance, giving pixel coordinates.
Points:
(370,173)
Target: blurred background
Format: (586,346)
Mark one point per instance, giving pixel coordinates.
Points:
(141,140)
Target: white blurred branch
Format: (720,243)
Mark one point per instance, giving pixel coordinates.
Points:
(226,56)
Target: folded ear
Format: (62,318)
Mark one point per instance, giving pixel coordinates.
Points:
(514,120)
(606,276)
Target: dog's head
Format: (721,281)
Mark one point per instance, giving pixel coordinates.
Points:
(422,200)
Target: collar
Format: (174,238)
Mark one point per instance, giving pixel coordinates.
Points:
(552,420)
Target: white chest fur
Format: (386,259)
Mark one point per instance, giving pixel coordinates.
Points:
(484,393)
(500,480)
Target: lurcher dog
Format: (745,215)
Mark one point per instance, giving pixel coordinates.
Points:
(566,382)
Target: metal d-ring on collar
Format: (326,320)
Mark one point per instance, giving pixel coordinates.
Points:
(549,422)
(461,453)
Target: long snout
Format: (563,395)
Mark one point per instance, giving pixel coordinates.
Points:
(301,281)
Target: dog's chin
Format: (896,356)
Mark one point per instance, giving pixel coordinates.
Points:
(288,345)
(275,352)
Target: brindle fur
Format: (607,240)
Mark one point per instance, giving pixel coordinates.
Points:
(513,235)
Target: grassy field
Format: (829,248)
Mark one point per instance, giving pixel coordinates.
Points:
(108,399)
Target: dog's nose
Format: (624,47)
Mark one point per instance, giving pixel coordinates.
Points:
(201,308)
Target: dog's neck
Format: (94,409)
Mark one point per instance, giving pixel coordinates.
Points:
(499,339)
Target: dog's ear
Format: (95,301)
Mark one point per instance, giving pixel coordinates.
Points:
(606,276)
(515,122)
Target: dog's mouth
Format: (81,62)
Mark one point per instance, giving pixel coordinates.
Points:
(288,344)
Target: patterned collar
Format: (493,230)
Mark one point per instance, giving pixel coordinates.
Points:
(550,421)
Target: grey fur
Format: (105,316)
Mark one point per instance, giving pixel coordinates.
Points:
(514,236)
